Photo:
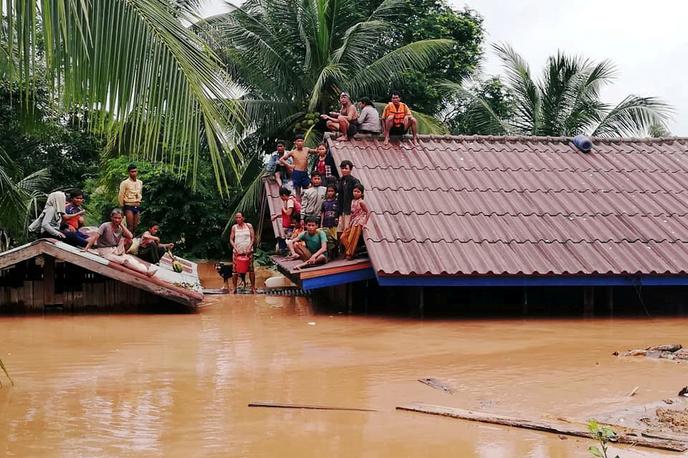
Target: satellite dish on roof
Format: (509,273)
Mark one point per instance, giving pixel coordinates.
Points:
(583,143)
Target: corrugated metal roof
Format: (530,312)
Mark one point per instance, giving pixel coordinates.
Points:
(524,205)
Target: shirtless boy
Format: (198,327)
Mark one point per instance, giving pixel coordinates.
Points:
(299,155)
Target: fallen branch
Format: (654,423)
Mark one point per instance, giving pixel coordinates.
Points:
(437,384)
(304,406)
(570,429)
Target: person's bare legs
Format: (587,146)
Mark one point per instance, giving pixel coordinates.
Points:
(137,220)
(129,216)
(343,128)
(235,280)
(318,261)
(387,125)
(252,278)
(278,179)
(411,125)
(302,251)
(291,245)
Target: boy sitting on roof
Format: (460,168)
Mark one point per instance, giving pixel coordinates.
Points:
(346,121)
(313,250)
(397,119)
(299,154)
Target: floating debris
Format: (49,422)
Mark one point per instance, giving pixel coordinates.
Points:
(666,351)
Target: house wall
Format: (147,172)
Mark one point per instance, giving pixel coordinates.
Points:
(369,297)
(28,287)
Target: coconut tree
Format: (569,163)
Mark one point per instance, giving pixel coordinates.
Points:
(16,198)
(148,81)
(294,57)
(566,101)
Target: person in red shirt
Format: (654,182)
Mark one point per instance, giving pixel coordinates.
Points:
(397,119)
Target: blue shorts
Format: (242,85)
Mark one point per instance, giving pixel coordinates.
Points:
(300,179)
(130,208)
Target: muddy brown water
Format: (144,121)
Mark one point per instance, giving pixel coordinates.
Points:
(179,385)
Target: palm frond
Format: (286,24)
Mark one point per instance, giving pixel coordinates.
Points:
(130,63)
(414,56)
(633,116)
(526,93)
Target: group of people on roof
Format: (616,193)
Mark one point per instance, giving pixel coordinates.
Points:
(62,218)
(322,207)
(363,117)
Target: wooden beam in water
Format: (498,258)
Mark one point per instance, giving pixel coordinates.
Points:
(570,429)
(305,406)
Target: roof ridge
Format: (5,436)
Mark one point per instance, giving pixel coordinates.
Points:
(530,138)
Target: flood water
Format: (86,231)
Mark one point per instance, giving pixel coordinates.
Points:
(179,385)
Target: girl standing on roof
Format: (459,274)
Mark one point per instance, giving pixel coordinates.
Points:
(357,222)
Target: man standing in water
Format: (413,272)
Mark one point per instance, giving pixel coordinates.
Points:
(130,196)
(242,239)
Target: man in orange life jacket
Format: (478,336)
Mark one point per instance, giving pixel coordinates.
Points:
(397,119)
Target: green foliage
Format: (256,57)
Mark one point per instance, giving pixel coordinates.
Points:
(602,434)
(465,116)
(433,19)
(40,138)
(566,101)
(191,217)
(149,82)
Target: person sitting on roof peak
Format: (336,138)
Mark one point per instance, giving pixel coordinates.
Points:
(345,121)
(398,120)
(369,119)
(299,154)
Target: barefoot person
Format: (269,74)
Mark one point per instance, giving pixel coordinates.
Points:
(150,248)
(273,168)
(110,240)
(345,121)
(356,223)
(130,196)
(242,238)
(299,174)
(397,119)
(313,250)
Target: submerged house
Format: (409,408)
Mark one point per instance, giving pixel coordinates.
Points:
(515,213)
(49,274)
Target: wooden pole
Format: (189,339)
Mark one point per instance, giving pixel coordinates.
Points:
(49,280)
(277,405)
(570,429)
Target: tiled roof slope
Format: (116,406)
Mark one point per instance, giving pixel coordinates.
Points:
(524,205)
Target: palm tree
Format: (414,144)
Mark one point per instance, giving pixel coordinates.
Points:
(148,81)
(294,57)
(16,199)
(565,101)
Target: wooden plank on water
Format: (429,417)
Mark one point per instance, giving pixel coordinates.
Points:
(570,429)
(277,405)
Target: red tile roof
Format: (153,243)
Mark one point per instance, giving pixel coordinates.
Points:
(524,205)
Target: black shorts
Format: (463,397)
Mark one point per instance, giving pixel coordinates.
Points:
(135,210)
(397,130)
